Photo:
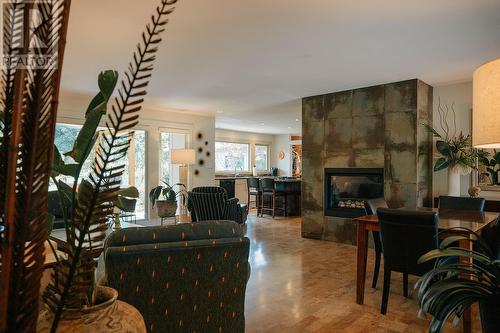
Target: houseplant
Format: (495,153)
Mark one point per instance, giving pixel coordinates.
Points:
(168,206)
(74,303)
(453,286)
(455,149)
(126,200)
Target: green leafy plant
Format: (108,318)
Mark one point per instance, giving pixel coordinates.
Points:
(452,286)
(126,199)
(93,198)
(455,149)
(168,192)
(492,164)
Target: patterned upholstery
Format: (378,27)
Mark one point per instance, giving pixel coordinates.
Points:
(182,278)
(211,203)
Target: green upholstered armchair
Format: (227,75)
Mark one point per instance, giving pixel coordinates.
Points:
(182,278)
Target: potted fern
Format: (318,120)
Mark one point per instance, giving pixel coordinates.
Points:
(452,286)
(168,206)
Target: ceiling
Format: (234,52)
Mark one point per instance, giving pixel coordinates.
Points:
(250,62)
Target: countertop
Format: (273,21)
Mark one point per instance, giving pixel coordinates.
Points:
(277,179)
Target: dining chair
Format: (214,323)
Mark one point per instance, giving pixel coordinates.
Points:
(406,235)
(461,203)
(371,207)
(267,186)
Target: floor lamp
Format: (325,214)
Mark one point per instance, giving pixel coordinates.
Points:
(486,106)
(183,157)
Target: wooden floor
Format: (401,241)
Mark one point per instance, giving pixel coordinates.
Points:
(303,285)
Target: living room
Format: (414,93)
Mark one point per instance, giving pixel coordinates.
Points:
(223,166)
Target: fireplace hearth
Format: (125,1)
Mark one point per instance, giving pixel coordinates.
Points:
(346,190)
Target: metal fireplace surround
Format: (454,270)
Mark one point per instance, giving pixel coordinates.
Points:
(346,189)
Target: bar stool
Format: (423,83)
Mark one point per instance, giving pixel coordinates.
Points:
(269,191)
(253,190)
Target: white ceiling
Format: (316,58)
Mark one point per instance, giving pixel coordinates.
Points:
(250,62)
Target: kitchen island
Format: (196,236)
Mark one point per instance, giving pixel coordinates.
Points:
(237,187)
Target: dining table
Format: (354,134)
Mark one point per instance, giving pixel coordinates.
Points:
(448,221)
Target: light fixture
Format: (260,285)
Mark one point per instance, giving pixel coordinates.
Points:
(486,106)
(184,157)
(297,119)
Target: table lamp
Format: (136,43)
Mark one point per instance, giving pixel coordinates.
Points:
(486,106)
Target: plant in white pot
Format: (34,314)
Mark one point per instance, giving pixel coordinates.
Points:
(455,148)
(168,206)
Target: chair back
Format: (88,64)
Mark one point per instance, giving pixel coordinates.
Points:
(371,205)
(267,184)
(406,236)
(209,189)
(253,184)
(461,203)
(166,272)
(208,206)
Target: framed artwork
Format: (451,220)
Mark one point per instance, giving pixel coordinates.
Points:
(487,174)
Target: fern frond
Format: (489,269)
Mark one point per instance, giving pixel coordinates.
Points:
(96,196)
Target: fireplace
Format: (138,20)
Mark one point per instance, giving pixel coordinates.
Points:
(346,190)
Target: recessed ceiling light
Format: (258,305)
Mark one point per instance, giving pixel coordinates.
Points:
(297,119)
(289,127)
(262,124)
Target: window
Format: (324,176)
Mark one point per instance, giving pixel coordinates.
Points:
(135,161)
(262,157)
(230,156)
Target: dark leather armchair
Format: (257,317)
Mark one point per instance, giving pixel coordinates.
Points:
(406,236)
(461,203)
(211,203)
(371,207)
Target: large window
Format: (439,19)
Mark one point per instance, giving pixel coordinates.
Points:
(262,157)
(135,161)
(231,156)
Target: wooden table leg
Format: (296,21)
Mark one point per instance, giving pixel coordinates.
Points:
(467,316)
(361,264)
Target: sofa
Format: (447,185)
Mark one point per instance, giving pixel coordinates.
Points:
(182,278)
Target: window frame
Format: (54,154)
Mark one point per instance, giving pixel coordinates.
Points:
(268,155)
(250,157)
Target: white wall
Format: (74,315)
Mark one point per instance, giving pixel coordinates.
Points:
(282,143)
(461,95)
(72,110)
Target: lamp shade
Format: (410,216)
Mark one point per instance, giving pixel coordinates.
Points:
(183,156)
(486,106)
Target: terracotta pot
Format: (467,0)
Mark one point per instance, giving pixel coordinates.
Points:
(110,315)
(166,208)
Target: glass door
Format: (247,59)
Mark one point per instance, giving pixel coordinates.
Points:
(171,139)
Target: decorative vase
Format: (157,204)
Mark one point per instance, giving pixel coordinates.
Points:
(109,315)
(490,315)
(453,182)
(165,208)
